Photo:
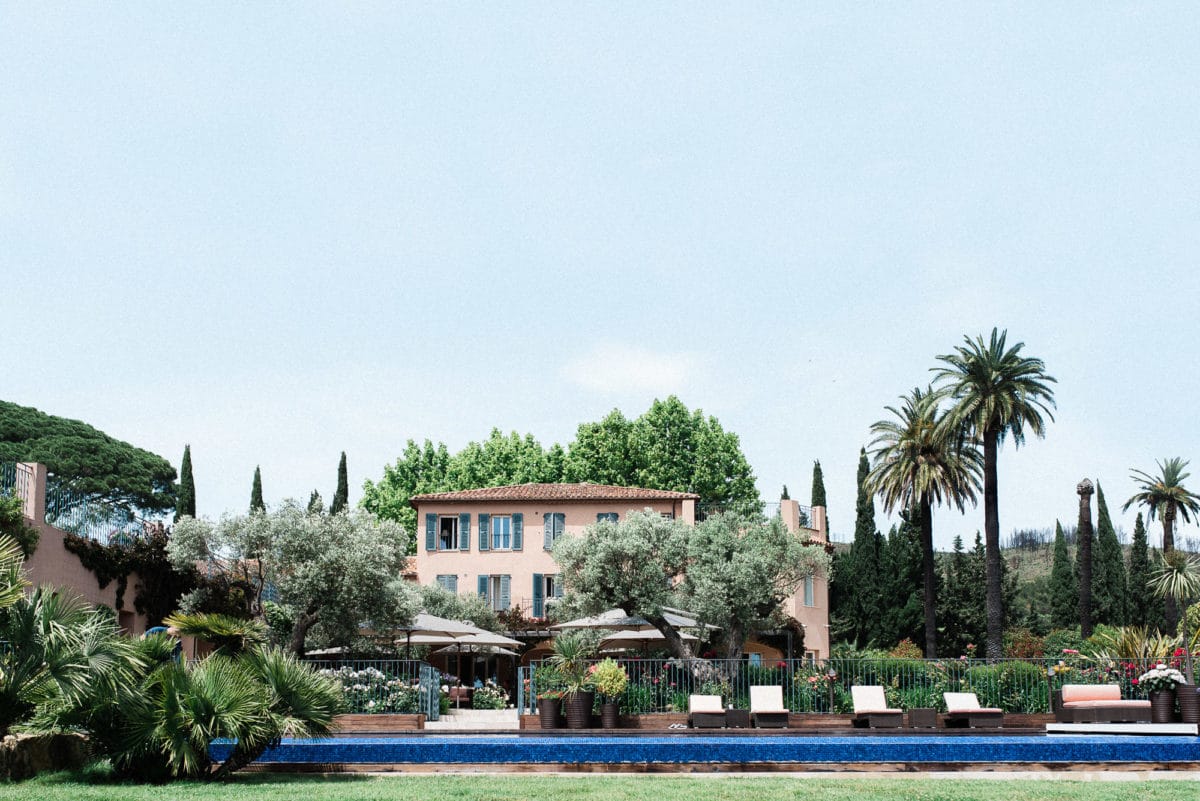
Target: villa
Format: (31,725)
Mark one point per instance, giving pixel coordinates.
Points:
(497,541)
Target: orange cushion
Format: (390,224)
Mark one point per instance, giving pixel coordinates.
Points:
(1090,692)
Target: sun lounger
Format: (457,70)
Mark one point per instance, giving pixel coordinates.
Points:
(871,709)
(1097,703)
(963,710)
(706,712)
(766,707)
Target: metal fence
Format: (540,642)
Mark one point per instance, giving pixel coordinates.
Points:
(83,516)
(379,686)
(1014,685)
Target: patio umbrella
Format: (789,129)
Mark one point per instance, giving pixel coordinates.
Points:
(428,624)
(618,619)
(636,638)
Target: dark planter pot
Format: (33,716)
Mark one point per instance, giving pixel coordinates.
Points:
(578,707)
(1162,706)
(1189,703)
(609,716)
(550,713)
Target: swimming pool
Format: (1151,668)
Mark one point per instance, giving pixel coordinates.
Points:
(717,750)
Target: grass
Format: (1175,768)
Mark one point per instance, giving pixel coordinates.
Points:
(94,785)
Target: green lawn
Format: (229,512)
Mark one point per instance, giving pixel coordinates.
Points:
(607,787)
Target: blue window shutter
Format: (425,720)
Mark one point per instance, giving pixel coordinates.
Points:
(464,531)
(539,595)
(485,533)
(431,532)
(548,530)
(518,531)
(482,586)
(560,524)
(505,591)
(452,583)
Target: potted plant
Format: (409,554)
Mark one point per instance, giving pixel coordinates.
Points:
(1177,576)
(610,680)
(571,653)
(549,697)
(1160,682)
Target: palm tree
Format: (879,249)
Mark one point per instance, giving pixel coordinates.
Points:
(997,393)
(12,573)
(1177,577)
(1165,496)
(918,463)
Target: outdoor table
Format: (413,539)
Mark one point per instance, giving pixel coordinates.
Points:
(922,718)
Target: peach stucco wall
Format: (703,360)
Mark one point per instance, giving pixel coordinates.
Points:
(52,564)
(533,557)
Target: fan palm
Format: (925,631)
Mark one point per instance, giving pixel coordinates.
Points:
(996,393)
(12,574)
(1177,576)
(1165,496)
(920,462)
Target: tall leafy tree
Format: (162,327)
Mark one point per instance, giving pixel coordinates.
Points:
(997,394)
(185,502)
(335,571)
(604,452)
(341,496)
(1166,497)
(1109,590)
(419,469)
(88,460)
(256,496)
(1064,590)
(920,462)
(1142,610)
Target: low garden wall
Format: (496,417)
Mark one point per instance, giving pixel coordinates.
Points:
(368,724)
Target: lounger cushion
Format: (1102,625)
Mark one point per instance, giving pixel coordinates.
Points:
(705,703)
(870,700)
(1072,693)
(766,699)
(966,703)
(1131,704)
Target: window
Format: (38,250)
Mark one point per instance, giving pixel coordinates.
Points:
(755,659)
(447,533)
(449,582)
(546,590)
(495,591)
(808,590)
(610,517)
(501,532)
(553,526)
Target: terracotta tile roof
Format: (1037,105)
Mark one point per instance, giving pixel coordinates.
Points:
(555,492)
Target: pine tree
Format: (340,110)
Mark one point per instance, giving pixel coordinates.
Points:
(1143,608)
(1064,592)
(341,496)
(256,498)
(784,495)
(316,504)
(185,499)
(1109,591)
(954,603)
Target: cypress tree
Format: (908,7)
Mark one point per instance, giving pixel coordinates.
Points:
(341,496)
(256,499)
(954,603)
(864,560)
(901,604)
(784,495)
(1143,610)
(818,496)
(185,500)
(1109,592)
(818,485)
(1064,593)
(316,504)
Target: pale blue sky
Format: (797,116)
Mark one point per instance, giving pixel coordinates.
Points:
(278,232)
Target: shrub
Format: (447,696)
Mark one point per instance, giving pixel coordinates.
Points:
(489,696)
(370,691)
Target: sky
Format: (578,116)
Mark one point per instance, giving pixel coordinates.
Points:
(277,232)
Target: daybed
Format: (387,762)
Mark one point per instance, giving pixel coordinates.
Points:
(1097,703)
(766,707)
(871,709)
(963,710)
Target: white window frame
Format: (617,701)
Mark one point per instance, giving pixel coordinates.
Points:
(491,535)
